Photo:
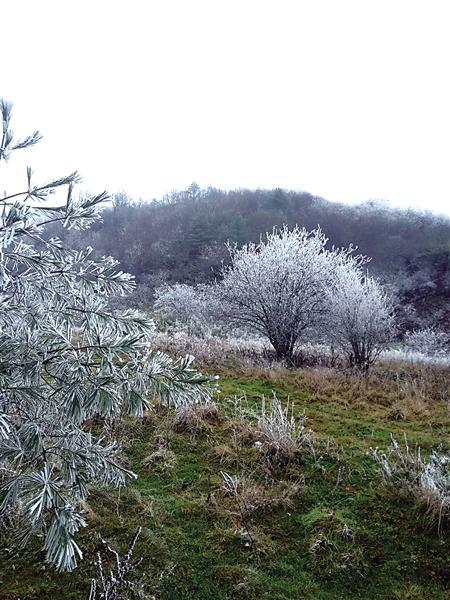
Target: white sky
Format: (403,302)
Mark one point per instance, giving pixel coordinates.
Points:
(345,99)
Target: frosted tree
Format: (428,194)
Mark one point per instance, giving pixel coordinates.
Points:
(278,288)
(360,319)
(65,359)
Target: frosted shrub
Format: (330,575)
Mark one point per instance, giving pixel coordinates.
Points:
(416,358)
(360,320)
(428,481)
(283,434)
(196,306)
(289,289)
(428,341)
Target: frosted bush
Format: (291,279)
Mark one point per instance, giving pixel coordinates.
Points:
(278,288)
(195,306)
(428,341)
(415,357)
(360,319)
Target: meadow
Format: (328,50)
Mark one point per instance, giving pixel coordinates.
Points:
(222,519)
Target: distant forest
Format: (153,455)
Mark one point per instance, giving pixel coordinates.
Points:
(182,237)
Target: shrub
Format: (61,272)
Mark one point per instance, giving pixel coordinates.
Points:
(428,341)
(361,322)
(278,288)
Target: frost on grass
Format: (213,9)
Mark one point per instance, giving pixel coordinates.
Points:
(284,435)
(333,543)
(195,418)
(429,341)
(426,480)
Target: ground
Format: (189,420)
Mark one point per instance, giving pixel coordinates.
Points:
(333,530)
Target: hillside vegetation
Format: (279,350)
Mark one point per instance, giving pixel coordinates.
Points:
(181,238)
(321,525)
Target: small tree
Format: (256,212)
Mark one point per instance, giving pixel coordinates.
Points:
(360,319)
(278,288)
(64,359)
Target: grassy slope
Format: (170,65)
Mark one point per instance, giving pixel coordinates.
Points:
(189,544)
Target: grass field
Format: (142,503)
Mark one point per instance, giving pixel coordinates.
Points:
(324,527)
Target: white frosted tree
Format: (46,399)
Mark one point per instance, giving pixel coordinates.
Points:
(360,319)
(65,359)
(278,288)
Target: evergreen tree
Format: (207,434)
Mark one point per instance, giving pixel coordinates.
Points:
(65,358)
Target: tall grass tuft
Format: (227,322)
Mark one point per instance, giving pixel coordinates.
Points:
(427,480)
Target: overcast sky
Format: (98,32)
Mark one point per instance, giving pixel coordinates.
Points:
(349,100)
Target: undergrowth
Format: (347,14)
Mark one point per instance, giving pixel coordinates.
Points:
(247,498)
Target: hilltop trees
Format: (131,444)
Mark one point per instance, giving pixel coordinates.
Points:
(181,238)
(65,358)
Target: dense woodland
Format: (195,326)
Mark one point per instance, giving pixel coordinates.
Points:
(182,237)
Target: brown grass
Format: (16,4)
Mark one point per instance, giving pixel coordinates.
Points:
(195,418)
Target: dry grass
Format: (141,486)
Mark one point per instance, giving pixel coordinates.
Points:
(195,418)
(255,498)
(426,480)
(162,460)
(226,455)
(283,435)
(409,390)
(422,387)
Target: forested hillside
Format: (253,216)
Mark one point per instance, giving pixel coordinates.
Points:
(182,238)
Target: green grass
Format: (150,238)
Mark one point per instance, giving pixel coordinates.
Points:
(189,540)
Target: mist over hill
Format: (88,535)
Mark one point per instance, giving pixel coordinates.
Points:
(182,238)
